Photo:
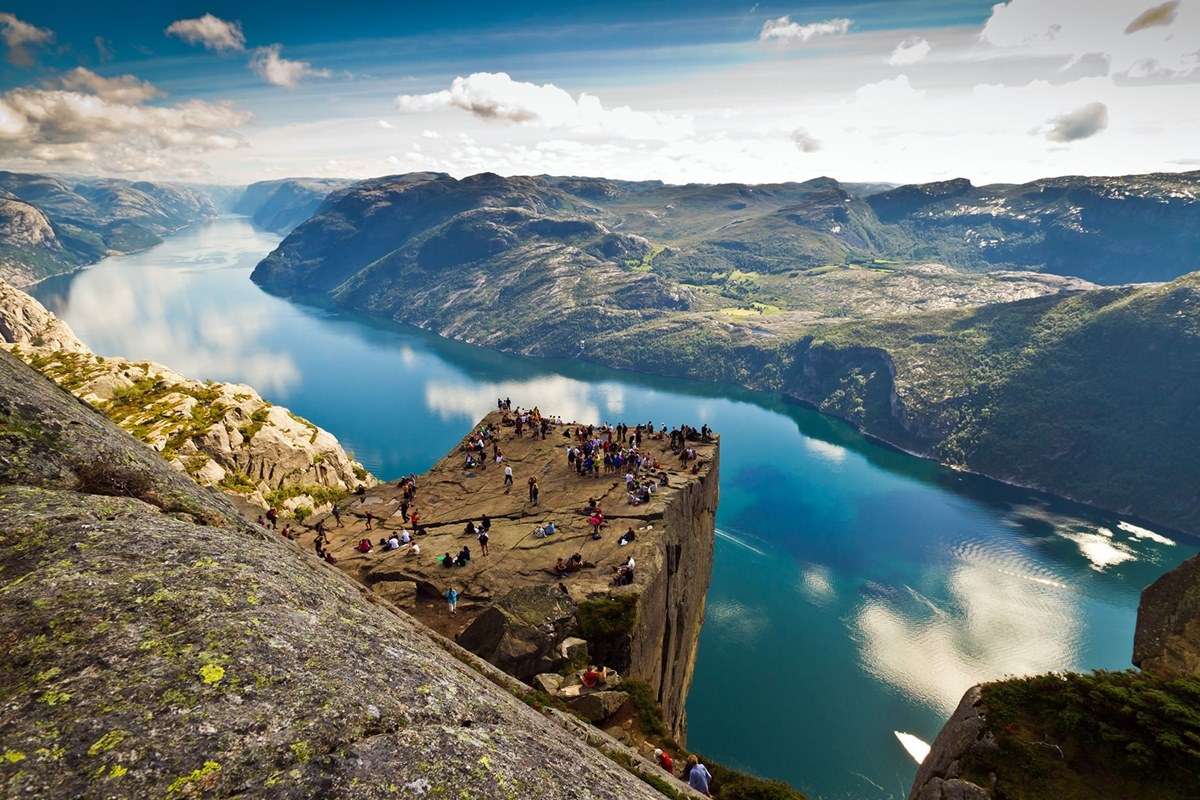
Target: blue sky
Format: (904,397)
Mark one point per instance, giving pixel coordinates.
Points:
(699,91)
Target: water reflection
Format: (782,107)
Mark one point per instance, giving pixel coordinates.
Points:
(145,311)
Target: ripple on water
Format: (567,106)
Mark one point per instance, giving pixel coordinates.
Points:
(1002,614)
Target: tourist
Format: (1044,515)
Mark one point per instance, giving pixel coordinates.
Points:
(698,776)
(452,601)
(664,760)
(447,560)
(337,516)
(416,550)
(272,517)
(560,567)
(363,546)
(594,678)
(370,518)
(626,537)
(470,529)
(405,537)
(508,478)
(329,559)
(485,523)
(464,556)
(483,540)
(533,491)
(393,543)
(403,510)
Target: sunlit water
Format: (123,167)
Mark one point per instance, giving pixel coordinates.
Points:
(856,591)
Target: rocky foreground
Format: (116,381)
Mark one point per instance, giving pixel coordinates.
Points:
(156,645)
(515,611)
(220,434)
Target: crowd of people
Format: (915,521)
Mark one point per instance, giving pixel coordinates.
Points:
(590,451)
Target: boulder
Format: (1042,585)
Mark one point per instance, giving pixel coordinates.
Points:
(596,707)
(548,682)
(520,633)
(574,650)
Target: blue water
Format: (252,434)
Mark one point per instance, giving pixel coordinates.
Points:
(856,591)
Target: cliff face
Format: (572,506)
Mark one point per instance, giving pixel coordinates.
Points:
(222,435)
(283,204)
(158,646)
(670,608)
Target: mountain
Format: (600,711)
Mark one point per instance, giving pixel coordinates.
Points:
(1107,230)
(281,205)
(1038,379)
(50,225)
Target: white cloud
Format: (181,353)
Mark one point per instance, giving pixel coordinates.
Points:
(124,89)
(910,51)
(888,93)
(784,29)
(430,134)
(212,32)
(1082,123)
(279,71)
(103,124)
(496,96)
(805,141)
(19,36)
(383,123)
(1142,43)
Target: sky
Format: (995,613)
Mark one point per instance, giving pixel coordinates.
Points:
(882,90)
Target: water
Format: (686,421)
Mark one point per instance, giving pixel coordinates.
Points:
(856,591)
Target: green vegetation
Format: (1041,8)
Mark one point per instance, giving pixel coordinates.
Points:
(1105,734)
(319,494)
(257,419)
(238,481)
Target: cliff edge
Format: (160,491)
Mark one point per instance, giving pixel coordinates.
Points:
(516,610)
(158,646)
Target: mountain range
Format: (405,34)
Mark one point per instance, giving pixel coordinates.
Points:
(50,225)
(962,323)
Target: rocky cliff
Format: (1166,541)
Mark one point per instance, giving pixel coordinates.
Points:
(281,205)
(515,611)
(158,646)
(1129,734)
(222,435)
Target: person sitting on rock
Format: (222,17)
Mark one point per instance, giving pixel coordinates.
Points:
(560,567)
(470,529)
(447,560)
(329,557)
(594,678)
(393,543)
(664,760)
(416,550)
(626,537)
(405,537)
(551,528)
(464,556)
(363,546)
(485,523)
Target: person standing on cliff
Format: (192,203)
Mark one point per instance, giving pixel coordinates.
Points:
(698,776)
(483,540)
(534,490)
(452,601)
(508,478)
